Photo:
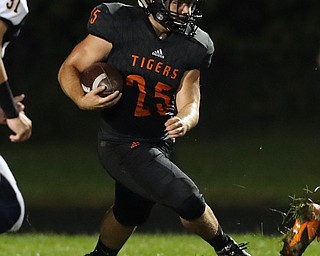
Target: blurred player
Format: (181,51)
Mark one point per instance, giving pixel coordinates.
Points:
(160,51)
(12,16)
(306,215)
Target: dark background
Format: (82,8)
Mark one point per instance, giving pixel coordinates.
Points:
(260,112)
(262,71)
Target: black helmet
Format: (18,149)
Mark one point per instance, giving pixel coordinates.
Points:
(180,23)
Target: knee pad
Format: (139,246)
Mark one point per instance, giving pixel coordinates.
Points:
(192,208)
(131,216)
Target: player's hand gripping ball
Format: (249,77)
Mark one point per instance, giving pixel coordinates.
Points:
(101,74)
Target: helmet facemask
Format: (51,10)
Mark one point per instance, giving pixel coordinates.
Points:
(170,18)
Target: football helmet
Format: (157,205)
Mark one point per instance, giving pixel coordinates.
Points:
(184,24)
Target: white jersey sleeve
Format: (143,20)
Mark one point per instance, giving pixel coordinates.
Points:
(14,11)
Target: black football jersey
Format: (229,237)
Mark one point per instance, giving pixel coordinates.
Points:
(152,69)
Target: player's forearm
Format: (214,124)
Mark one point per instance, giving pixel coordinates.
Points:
(70,82)
(6,98)
(189,115)
(3,73)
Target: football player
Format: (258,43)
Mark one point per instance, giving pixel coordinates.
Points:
(306,215)
(12,16)
(159,50)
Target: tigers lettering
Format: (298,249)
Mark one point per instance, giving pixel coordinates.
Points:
(156,66)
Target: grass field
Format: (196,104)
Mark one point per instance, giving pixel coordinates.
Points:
(137,245)
(249,168)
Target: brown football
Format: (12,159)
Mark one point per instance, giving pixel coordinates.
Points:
(101,74)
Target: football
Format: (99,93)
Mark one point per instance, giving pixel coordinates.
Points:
(101,74)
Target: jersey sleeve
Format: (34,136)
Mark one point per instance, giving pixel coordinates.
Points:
(13,12)
(208,57)
(103,22)
(203,52)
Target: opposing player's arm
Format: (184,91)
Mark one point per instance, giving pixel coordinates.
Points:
(11,112)
(90,50)
(3,74)
(188,104)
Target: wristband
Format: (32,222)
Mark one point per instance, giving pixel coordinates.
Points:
(7,103)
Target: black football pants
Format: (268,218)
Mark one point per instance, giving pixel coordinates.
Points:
(145,175)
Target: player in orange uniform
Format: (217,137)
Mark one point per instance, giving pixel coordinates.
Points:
(305,229)
(160,52)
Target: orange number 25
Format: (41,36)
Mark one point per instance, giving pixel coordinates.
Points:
(159,89)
